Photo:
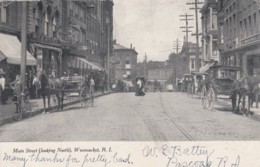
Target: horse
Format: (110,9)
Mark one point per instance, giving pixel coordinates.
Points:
(247,86)
(51,86)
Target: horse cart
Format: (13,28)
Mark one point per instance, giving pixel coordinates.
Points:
(220,84)
(187,83)
(199,79)
(76,86)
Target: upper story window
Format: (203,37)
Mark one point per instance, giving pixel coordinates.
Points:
(3,14)
(36,20)
(46,24)
(54,27)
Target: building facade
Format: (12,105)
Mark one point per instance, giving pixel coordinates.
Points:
(242,35)
(64,36)
(124,63)
(210,47)
(44,18)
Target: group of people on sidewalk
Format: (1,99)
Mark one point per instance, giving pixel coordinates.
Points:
(14,89)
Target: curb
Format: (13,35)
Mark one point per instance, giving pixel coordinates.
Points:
(39,111)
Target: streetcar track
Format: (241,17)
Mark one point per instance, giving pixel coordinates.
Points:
(152,127)
(175,122)
(130,119)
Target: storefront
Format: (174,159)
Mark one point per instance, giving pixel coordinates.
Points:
(49,59)
(10,57)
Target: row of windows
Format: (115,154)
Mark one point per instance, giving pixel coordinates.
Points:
(231,8)
(248,26)
(47,30)
(230,26)
(78,12)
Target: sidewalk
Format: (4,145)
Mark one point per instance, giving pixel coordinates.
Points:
(6,111)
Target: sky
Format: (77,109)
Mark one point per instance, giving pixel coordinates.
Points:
(151,26)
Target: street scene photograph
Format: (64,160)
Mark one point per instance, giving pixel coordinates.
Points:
(138,70)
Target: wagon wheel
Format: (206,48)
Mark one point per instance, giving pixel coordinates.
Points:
(235,103)
(204,96)
(192,90)
(189,89)
(84,97)
(245,104)
(211,98)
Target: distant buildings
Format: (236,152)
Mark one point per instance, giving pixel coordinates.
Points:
(163,75)
(124,62)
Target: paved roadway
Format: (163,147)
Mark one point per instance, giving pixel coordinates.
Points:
(125,117)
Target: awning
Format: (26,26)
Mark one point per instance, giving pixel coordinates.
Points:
(2,56)
(90,65)
(205,68)
(10,47)
(47,47)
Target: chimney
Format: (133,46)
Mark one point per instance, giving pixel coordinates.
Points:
(131,46)
(114,42)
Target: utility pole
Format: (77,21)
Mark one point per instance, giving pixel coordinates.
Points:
(145,66)
(187,27)
(175,59)
(23,48)
(187,30)
(196,3)
(177,47)
(108,56)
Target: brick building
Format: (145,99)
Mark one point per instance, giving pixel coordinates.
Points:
(124,62)
(70,36)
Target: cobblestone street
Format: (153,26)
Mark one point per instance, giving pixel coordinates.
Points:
(125,117)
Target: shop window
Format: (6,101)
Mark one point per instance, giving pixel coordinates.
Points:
(3,14)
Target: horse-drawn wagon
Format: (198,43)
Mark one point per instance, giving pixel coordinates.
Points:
(220,84)
(76,86)
(186,86)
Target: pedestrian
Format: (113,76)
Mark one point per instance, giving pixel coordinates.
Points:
(2,87)
(91,84)
(36,85)
(91,89)
(16,85)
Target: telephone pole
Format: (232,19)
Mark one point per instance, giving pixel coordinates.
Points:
(177,47)
(187,27)
(145,66)
(196,8)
